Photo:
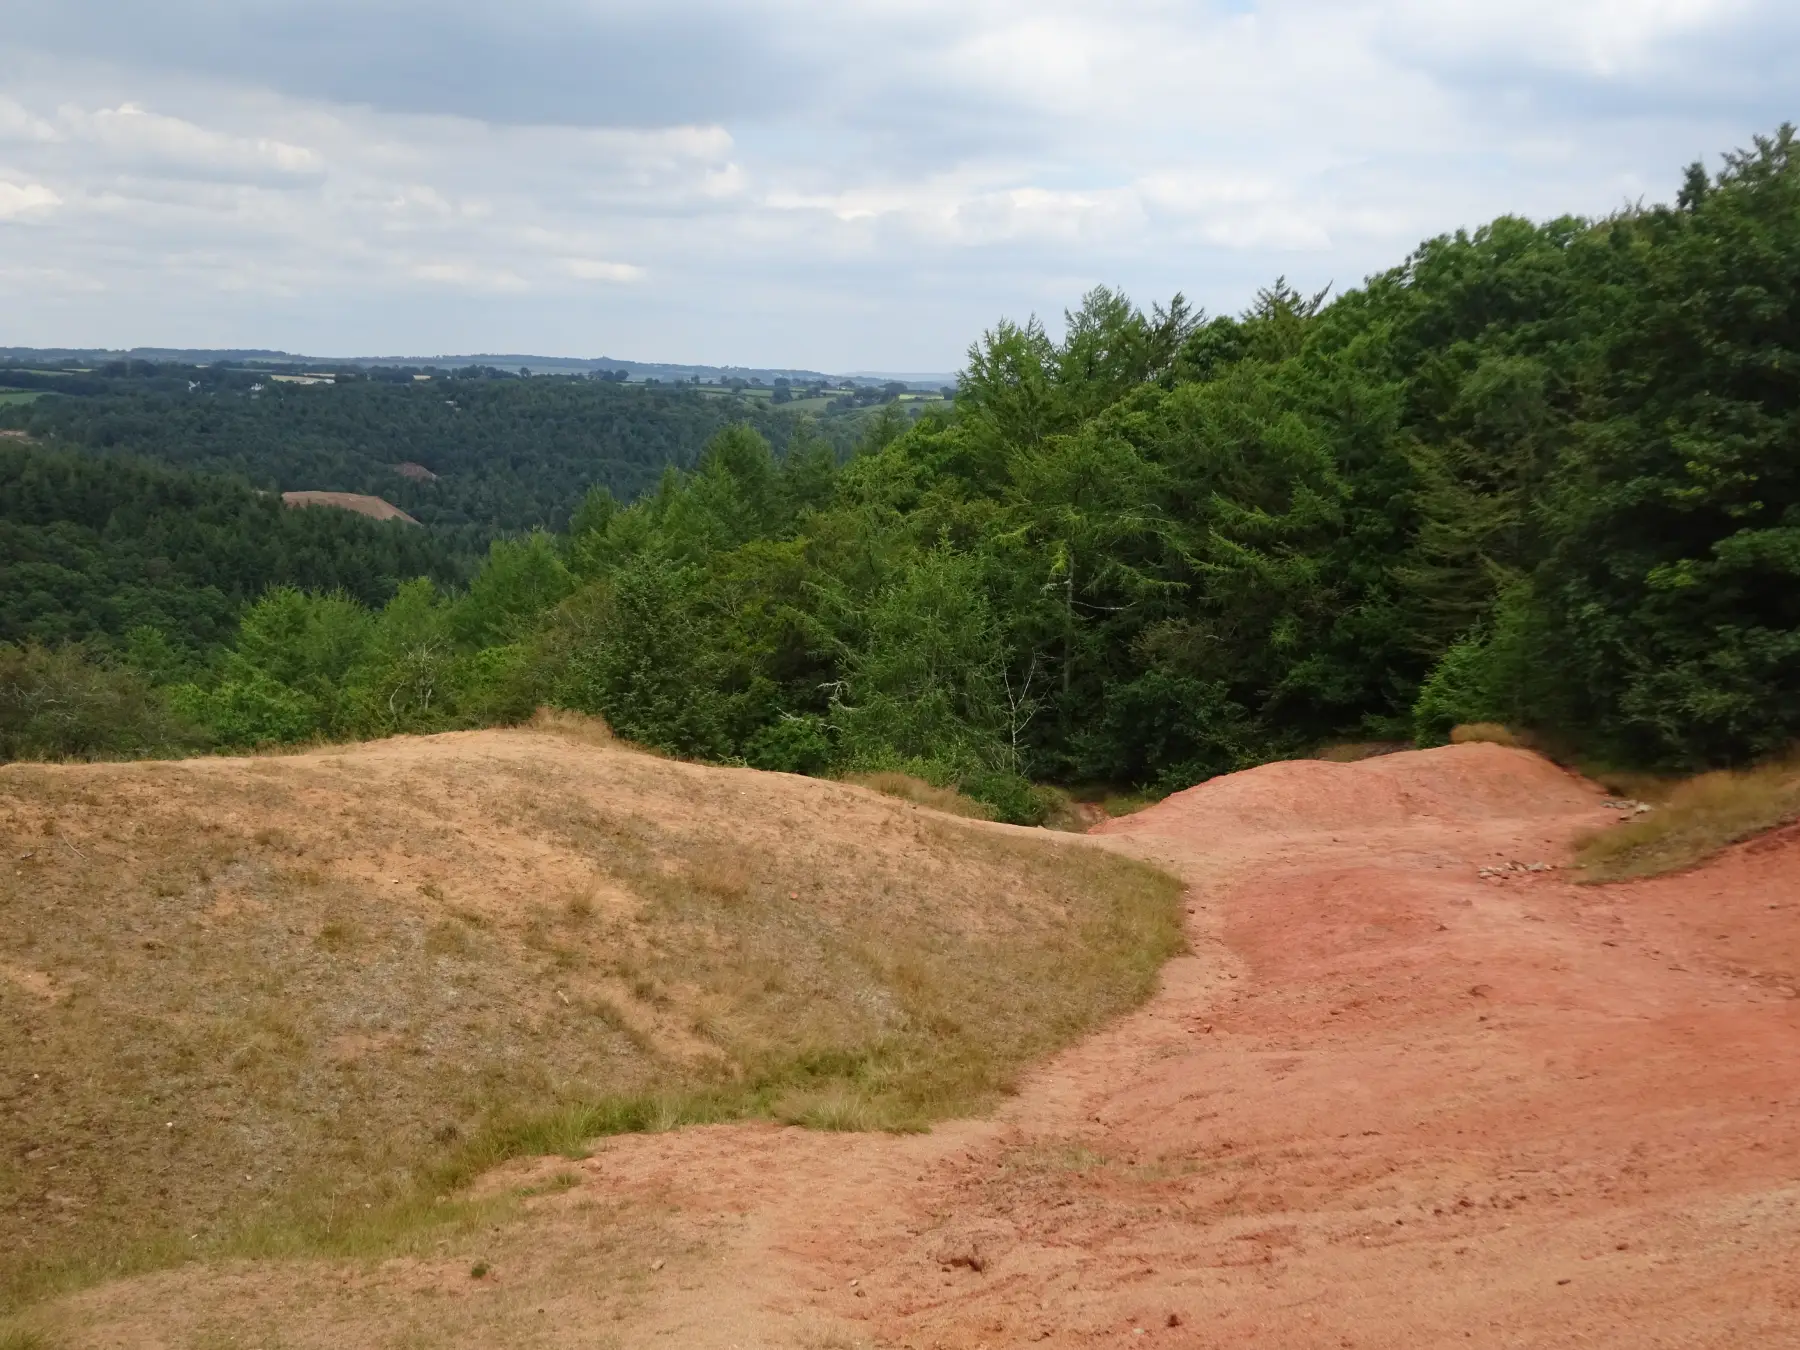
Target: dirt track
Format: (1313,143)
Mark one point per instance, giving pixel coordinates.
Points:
(1384,1103)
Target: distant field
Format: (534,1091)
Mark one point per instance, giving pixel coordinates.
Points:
(10,396)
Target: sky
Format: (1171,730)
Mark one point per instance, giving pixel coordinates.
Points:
(829,184)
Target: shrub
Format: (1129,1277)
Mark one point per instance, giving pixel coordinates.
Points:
(1013,799)
(794,744)
(63,704)
(249,710)
(1458,692)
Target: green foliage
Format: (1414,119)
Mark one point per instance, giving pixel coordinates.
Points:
(502,455)
(639,649)
(1672,580)
(923,683)
(1458,691)
(93,549)
(64,705)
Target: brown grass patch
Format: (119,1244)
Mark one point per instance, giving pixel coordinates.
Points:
(1353,752)
(297,1000)
(575,726)
(1471,733)
(1695,820)
(920,793)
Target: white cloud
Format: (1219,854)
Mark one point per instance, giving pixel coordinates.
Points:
(26,199)
(135,134)
(592,269)
(858,183)
(470,276)
(16,124)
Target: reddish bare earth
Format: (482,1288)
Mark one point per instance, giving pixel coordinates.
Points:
(1384,1103)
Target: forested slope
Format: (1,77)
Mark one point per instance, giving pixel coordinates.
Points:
(93,548)
(509,454)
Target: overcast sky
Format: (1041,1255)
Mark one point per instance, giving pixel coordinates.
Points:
(837,184)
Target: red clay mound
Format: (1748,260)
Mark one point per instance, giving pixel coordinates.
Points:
(1739,914)
(1458,783)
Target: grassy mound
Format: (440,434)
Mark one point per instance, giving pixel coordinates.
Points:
(285,1004)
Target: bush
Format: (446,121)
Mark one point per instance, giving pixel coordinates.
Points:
(1458,692)
(1013,799)
(794,744)
(63,704)
(640,650)
(249,710)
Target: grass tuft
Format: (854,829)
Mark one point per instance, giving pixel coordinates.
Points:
(1352,752)
(1696,819)
(585,727)
(1492,733)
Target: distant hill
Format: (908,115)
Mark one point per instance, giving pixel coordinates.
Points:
(667,372)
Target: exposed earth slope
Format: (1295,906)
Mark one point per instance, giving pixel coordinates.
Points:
(1387,1101)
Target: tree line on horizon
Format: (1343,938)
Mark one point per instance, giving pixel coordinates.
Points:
(1540,473)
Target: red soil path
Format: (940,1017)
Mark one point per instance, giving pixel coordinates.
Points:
(1385,1103)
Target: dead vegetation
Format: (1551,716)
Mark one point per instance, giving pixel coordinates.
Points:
(293,1005)
(1353,752)
(1693,820)
(1492,733)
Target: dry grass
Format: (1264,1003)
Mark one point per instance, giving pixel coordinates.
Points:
(1352,752)
(1695,820)
(582,727)
(272,1006)
(920,793)
(1492,733)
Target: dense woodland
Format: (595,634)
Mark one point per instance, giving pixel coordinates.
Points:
(509,454)
(92,549)
(1546,474)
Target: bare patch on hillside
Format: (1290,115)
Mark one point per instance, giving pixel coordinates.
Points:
(376,508)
